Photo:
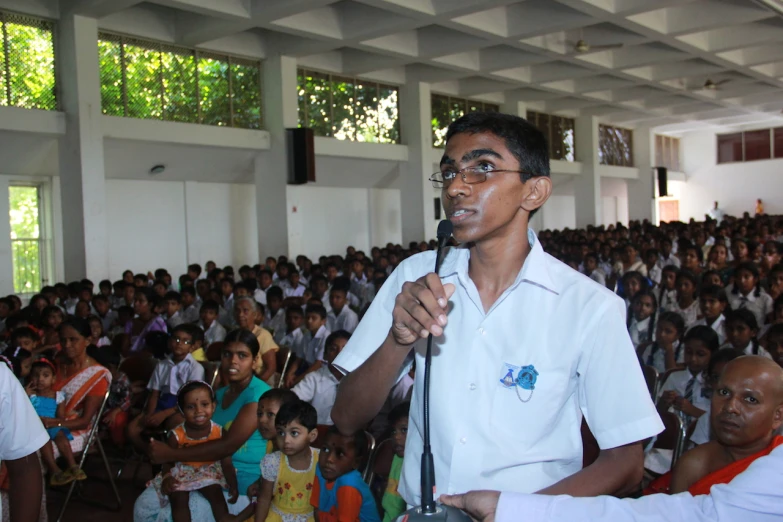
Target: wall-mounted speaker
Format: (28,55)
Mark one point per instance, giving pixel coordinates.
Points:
(301,156)
(663,181)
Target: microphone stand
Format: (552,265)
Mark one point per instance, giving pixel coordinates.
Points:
(429,510)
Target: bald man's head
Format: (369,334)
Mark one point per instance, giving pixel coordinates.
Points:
(747,404)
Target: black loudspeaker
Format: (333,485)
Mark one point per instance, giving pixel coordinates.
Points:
(301,156)
(437,208)
(663,176)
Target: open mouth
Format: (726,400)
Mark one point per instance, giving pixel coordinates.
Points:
(461,215)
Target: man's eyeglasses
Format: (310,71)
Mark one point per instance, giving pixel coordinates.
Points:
(470,175)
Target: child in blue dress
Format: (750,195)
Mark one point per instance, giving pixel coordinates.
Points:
(339,493)
(50,404)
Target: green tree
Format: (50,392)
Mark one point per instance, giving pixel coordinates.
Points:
(25,236)
(27,77)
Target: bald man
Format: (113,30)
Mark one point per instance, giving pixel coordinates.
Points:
(747,408)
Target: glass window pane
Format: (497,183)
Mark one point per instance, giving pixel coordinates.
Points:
(389,114)
(213,87)
(246,95)
(659,152)
(475,106)
(367,117)
(491,107)
(730,147)
(457,109)
(778,142)
(344,123)
(179,83)
(569,139)
(301,97)
(556,140)
(676,154)
(31,65)
(757,145)
(144,82)
(440,119)
(319,108)
(532,118)
(109,58)
(626,136)
(544,127)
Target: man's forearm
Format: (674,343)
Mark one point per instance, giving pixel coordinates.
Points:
(616,472)
(361,393)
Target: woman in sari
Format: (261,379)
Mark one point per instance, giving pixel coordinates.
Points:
(84,383)
(147,321)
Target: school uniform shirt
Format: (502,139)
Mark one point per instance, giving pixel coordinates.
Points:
(748,350)
(760,305)
(314,350)
(753,496)
(214,334)
(346,320)
(640,331)
(353,301)
(319,388)
(678,382)
(296,342)
(637,266)
(719,326)
(290,291)
(107,321)
(690,314)
(598,276)
(654,274)
(260,296)
(169,376)
(667,299)
(174,321)
(276,324)
(510,386)
(190,314)
(658,360)
(666,261)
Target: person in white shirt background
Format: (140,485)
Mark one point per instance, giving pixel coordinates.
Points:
(716,213)
(341,317)
(712,302)
(319,388)
(746,293)
(523,345)
(21,435)
(213,330)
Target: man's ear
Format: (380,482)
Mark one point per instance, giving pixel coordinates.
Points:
(540,188)
(777,419)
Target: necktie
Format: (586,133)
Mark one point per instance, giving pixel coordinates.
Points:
(689,389)
(743,302)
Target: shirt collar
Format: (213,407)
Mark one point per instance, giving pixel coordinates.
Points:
(535,269)
(188,358)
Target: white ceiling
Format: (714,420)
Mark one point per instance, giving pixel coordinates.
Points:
(504,50)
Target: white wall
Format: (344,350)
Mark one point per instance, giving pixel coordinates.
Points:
(614,201)
(736,186)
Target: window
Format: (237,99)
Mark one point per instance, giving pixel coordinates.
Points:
(559,133)
(615,146)
(750,145)
(348,108)
(446,109)
(27,73)
(26,248)
(667,152)
(142,79)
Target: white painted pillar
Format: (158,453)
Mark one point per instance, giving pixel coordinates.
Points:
(6,254)
(271,173)
(82,175)
(641,195)
(587,186)
(416,192)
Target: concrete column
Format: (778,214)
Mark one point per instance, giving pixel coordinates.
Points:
(82,175)
(271,168)
(587,186)
(6,254)
(416,192)
(641,195)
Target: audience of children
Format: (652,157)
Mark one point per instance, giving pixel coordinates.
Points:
(319,388)
(393,504)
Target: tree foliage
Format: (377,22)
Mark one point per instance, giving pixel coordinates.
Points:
(141,79)
(348,108)
(25,235)
(27,73)
(446,109)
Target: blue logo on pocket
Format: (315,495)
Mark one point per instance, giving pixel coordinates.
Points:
(527,377)
(507,375)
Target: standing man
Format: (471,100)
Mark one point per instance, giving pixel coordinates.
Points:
(716,213)
(524,346)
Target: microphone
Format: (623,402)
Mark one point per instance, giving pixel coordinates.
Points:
(429,510)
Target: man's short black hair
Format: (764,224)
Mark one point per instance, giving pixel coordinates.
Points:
(316,309)
(401,411)
(274,292)
(173,296)
(300,411)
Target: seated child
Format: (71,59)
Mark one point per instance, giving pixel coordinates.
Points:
(712,301)
(196,402)
(170,374)
(665,352)
(319,388)
(741,330)
(197,335)
(641,317)
(19,361)
(104,312)
(189,310)
(213,330)
(26,338)
(294,340)
(49,404)
(339,493)
(775,343)
(172,301)
(341,317)
(392,503)
(315,320)
(97,338)
(116,415)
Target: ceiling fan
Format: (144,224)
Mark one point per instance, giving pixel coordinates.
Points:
(582,46)
(710,85)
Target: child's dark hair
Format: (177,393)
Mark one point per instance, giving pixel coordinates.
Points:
(670,268)
(316,309)
(294,310)
(747,318)
(775,329)
(281,395)
(714,291)
(210,305)
(188,290)
(690,276)
(157,343)
(751,267)
(337,334)
(298,410)
(678,323)
(246,337)
(359,439)
(195,333)
(107,356)
(274,292)
(173,296)
(24,332)
(633,274)
(705,335)
(43,362)
(14,357)
(722,356)
(341,283)
(189,387)
(629,315)
(401,411)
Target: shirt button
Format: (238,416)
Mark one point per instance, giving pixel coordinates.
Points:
(481,331)
(472,386)
(463,440)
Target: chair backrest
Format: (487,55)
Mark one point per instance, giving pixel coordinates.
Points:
(379,464)
(673,436)
(651,378)
(211,372)
(214,351)
(138,367)
(284,366)
(95,423)
(367,464)
(665,375)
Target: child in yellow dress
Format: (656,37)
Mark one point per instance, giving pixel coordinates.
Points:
(287,475)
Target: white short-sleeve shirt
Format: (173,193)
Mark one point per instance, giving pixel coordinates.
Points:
(559,332)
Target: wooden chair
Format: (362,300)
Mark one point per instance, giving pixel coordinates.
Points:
(93,439)
(665,375)
(673,436)
(651,378)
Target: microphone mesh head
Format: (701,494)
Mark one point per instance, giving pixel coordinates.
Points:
(445,229)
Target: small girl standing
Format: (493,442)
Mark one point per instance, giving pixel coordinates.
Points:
(665,353)
(746,293)
(49,404)
(641,317)
(196,401)
(288,475)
